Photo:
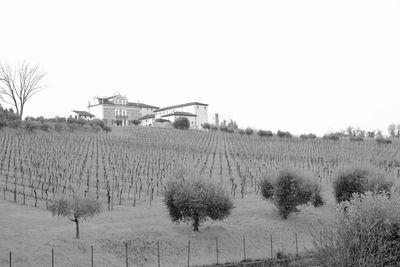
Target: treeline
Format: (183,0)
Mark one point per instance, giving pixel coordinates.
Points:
(8,118)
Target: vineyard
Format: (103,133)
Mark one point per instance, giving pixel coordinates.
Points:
(127,171)
(131,166)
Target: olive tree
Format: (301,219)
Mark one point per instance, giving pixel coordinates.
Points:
(191,199)
(76,209)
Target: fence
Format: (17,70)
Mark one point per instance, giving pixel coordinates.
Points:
(271,260)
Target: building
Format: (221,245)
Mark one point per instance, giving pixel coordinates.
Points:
(117,110)
(82,115)
(197,113)
(147,120)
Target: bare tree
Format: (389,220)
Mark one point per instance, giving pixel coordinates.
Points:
(18,85)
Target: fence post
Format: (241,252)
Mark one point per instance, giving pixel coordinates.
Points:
(272,254)
(52,257)
(158,253)
(244,248)
(126,253)
(91,252)
(188,257)
(297,247)
(216,242)
(10,260)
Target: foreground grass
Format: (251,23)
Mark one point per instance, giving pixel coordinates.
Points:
(31,233)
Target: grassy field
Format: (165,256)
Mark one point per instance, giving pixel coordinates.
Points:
(131,165)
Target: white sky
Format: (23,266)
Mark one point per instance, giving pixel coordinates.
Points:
(301,66)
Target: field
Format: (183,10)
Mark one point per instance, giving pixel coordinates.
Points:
(127,170)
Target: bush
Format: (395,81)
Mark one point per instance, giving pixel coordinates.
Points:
(356,139)
(214,127)
(249,131)
(288,190)
(58,127)
(181,123)
(223,128)
(365,233)
(383,141)
(135,122)
(357,179)
(332,137)
(60,119)
(263,133)
(308,136)
(98,123)
(161,120)
(241,131)
(45,127)
(284,134)
(191,199)
(206,126)
(31,125)
(72,120)
(107,129)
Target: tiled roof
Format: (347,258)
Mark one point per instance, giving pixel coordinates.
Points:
(141,105)
(177,113)
(181,106)
(83,113)
(145,117)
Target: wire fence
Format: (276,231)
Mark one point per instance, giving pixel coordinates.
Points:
(269,260)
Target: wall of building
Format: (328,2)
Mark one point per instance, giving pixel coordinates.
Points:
(97,111)
(202,115)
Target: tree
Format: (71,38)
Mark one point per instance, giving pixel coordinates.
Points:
(181,123)
(290,189)
(392,130)
(76,210)
(18,85)
(191,199)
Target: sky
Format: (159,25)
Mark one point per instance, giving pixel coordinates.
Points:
(299,66)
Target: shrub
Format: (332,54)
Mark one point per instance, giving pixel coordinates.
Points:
(214,127)
(107,129)
(134,122)
(161,120)
(191,199)
(72,120)
(82,121)
(241,131)
(73,126)
(223,128)
(45,127)
(249,131)
(359,179)
(356,139)
(60,119)
(308,136)
(181,123)
(263,133)
(331,136)
(230,130)
(31,125)
(206,126)
(284,134)
(288,190)
(383,141)
(97,122)
(365,233)
(58,127)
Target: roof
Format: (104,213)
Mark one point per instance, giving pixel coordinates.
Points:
(181,106)
(177,113)
(141,105)
(83,113)
(145,117)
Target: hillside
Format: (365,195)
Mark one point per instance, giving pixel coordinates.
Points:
(132,165)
